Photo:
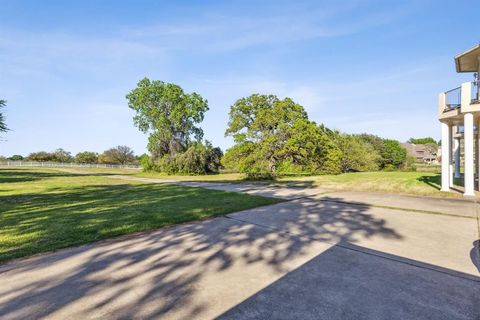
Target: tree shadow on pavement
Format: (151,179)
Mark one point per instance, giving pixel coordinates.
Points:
(162,273)
(475,254)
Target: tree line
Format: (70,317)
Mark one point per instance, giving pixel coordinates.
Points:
(118,155)
(272,136)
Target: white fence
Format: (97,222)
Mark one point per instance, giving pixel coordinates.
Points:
(61,164)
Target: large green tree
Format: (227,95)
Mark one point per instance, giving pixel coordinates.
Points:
(391,153)
(3,125)
(269,132)
(41,156)
(357,155)
(118,155)
(86,157)
(168,114)
(61,155)
(394,154)
(16,157)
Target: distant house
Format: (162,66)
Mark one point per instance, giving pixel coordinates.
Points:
(422,153)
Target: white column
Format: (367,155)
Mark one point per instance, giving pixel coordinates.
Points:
(452,150)
(456,149)
(468,151)
(446,130)
(476,155)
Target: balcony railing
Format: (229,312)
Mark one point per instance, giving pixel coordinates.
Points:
(453,99)
(475,97)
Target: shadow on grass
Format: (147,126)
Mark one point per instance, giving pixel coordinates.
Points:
(436,182)
(432,181)
(67,216)
(164,268)
(11,175)
(15,175)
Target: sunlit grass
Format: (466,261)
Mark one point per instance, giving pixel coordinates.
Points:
(423,183)
(45,209)
(412,183)
(399,182)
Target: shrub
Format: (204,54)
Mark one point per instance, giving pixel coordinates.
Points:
(198,158)
(16,157)
(86,157)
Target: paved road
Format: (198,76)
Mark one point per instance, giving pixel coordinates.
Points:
(317,256)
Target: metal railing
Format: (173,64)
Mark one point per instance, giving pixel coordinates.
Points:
(69,165)
(475,97)
(453,99)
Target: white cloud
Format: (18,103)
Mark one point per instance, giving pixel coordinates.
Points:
(215,32)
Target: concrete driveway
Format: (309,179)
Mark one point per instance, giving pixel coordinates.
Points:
(318,256)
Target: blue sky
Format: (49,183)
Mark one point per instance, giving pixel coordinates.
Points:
(356,66)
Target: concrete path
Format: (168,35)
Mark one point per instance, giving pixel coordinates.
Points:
(319,256)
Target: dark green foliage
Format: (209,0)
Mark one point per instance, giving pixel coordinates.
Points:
(199,158)
(58,155)
(144,160)
(168,114)
(357,155)
(86,157)
(16,157)
(61,155)
(274,136)
(41,156)
(3,126)
(423,140)
(171,117)
(118,155)
(394,154)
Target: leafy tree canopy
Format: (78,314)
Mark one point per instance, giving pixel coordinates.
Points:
(41,156)
(118,155)
(3,126)
(394,154)
(168,114)
(16,157)
(422,140)
(356,154)
(268,132)
(199,158)
(391,154)
(86,157)
(257,117)
(58,155)
(61,155)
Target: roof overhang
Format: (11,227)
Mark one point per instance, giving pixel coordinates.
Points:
(468,61)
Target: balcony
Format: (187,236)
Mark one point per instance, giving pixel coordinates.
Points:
(465,98)
(475,97)
(453,99)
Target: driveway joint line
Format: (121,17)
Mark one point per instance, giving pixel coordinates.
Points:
(348,246)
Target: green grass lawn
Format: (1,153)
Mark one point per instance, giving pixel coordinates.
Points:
(422,183)
(46,209)
(412,183)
